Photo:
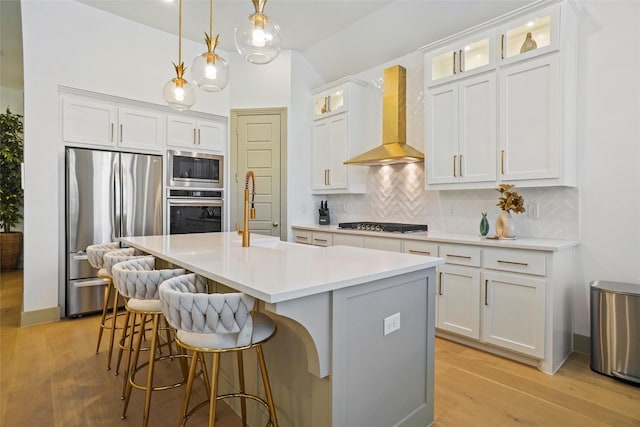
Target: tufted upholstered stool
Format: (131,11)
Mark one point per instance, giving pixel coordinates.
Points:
(110,259)
(95,255)
(216,323)
(138,282)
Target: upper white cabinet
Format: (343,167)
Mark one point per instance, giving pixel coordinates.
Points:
(198,134)
(461,131)
(528,136)
(461,58)
(337,136)
(530,35)
(88,120)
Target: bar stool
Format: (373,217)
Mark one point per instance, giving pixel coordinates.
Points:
(216,323)
(110,259)
(138,282)
(95,255)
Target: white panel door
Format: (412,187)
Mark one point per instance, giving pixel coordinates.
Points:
(181,131)
(339,151)
(513,312)
(87,121)
(477,144)
(140,128)
(442,134)
(458,300)
(529,127)
(320,151)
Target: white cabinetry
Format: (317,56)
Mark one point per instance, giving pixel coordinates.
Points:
(316,238)
(196,133)
(461,131)
(337,136)
(93,121)
(529,133)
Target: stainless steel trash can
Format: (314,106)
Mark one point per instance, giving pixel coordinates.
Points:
(615,329)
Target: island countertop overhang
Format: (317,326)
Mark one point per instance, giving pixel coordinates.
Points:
(275,271)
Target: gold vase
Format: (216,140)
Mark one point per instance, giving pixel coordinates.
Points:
(505,227)
(528,44)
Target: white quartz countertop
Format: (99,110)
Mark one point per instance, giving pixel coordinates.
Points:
(467,239)
(276,271)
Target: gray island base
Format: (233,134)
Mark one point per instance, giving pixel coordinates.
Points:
(356,327)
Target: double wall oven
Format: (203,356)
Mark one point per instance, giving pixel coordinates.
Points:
(195,193)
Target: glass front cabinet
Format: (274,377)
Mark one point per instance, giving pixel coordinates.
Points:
(461,59)
(529,36)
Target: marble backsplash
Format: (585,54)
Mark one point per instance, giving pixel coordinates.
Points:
(395,193)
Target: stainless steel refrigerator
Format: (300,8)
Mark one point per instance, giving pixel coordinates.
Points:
(109,195)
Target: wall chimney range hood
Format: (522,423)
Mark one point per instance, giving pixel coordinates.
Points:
(394,148)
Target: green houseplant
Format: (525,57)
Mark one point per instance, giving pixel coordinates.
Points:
(11,194)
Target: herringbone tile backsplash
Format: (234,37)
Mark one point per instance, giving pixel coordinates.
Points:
(395,193)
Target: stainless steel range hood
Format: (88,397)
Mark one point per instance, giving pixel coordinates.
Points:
(394,148)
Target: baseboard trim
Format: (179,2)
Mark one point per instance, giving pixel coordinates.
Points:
(582,344)
(36,317)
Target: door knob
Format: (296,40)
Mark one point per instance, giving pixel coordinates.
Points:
(275,223)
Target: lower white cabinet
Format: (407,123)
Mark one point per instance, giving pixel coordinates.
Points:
(458,300)
(514,302)
(513,312)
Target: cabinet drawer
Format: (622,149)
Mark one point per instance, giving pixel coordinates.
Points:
(461,255)
(516,261)
(420,248)
(302,236)
(340,239)
(322,239)
(383,243)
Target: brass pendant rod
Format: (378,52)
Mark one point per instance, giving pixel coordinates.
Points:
(180,34)
(259,5)
(211,18)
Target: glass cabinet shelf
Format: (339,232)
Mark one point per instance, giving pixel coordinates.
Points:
(532,35)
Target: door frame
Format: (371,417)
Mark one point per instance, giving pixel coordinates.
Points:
(233,161)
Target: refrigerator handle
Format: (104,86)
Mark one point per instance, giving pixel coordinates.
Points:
(116,201)
(123,207)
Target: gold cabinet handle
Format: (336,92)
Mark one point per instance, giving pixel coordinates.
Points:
(120,133)
(194,137)
(329,176)
(458,256)
(329,103)
(415,251)
(502,162)
(305,238)
(523,264)
(502,46)
(486,286)
(440,283)
(198,136)
(454,165)
(454,62)
(111,132)
(460,60)
(460,162)
(320,240)
(325,176)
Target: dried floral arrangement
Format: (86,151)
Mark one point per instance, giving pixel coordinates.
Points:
(510,200)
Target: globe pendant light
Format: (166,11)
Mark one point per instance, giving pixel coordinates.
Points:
(210,71)
(258,37)
(178,92)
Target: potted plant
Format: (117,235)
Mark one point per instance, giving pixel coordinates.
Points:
(509,201)
(11,194)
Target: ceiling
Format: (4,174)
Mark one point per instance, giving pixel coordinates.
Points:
(338,37)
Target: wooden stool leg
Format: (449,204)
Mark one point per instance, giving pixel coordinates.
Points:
(243,401)
(152,360)
(105,311)
(213,397)
(267,386)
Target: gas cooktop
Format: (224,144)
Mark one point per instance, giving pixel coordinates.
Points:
(393,227)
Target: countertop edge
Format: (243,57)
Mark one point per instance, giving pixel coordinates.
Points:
(466,239)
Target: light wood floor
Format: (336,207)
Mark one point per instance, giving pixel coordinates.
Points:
(50,376)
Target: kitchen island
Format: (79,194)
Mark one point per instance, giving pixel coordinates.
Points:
(361,319)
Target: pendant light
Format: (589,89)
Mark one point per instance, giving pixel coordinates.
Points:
(178,92)
(210,71)
(258,37)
